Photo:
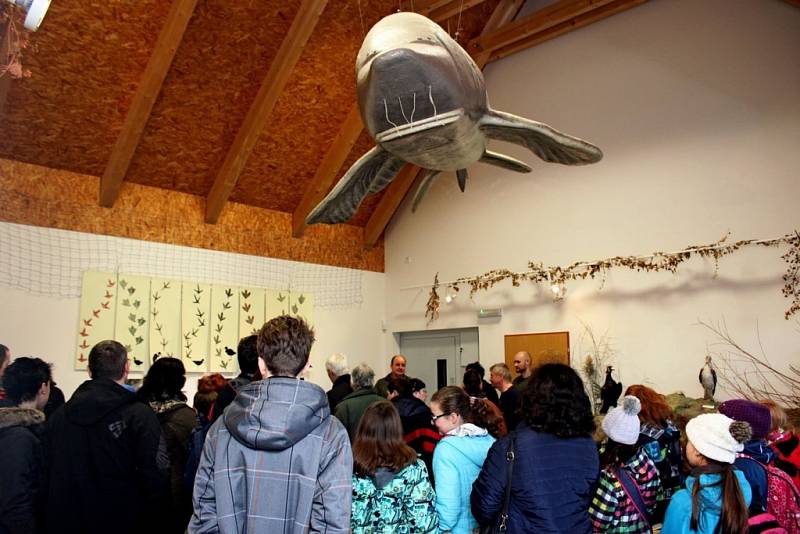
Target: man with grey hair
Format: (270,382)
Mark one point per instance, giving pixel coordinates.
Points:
(339,373)
(500,377)
(353,406)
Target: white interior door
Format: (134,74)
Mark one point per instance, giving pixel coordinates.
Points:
(423,351)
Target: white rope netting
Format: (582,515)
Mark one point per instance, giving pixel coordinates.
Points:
(48,261)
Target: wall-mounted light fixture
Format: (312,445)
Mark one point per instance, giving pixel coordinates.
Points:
(35,10)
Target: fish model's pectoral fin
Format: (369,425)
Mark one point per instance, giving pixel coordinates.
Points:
(371,173)
(546,142)
(424,185)
(461,176)
(506,162)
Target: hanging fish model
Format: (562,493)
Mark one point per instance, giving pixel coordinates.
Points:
(423,99)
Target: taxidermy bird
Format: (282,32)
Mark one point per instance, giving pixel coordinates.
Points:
(610,391)
(708,379)
(423,99)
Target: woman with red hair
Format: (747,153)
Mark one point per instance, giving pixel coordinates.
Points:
(661,441)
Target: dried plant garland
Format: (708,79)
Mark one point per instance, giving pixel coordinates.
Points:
(15,40)
(656,262)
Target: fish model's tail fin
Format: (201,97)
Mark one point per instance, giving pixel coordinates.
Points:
(371,173)
(546,142)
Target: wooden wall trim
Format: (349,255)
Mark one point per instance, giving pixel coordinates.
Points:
(41,196)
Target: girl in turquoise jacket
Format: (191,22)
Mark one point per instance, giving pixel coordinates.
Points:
(391,490)
(717,495)
(457,459)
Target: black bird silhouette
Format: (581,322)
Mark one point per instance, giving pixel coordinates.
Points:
(229,351)
(156,356)
(610,391)
(137,361)
(198,362)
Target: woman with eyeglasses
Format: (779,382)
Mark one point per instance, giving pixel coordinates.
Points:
(457,459)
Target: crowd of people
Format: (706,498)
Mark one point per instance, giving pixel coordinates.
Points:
(270,452)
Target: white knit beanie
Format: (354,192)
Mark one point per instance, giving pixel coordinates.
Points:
(622,423)
(717,436)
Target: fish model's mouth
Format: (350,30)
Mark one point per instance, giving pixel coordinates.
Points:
(429,123)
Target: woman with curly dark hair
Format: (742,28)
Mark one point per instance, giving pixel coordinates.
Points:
(555,460)
(661,441)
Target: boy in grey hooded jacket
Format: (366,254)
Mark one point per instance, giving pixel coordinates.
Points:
(277,461)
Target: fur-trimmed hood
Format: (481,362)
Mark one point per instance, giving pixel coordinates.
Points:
(20,417)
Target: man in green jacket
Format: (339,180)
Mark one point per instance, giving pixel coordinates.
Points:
(353,406)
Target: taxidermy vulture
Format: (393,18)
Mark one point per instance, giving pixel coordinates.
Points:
(708,379)
(423,99)
(610,391)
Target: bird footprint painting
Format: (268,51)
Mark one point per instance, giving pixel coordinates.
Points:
(423,100)
(132,327)
(97,312)
(195,326)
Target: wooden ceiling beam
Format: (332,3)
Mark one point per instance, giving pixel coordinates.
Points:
(547,17)
(574,23)
(795,3)
(155,72)
(348,134)
(442,11)
(504,13)
(261,108)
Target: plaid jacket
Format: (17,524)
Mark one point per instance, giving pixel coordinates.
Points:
(276,462)
(611,510)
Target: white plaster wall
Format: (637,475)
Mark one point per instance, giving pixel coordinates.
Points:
(45,327)
(695,105)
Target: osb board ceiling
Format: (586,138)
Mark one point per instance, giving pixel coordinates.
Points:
(88,57)
(236,103)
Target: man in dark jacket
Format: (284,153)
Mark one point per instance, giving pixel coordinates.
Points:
(27,382)
(488,390)
(398,371)
(500,375)
(353,406)
(109,470)
(247,355)
(339,373)
(276,461)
